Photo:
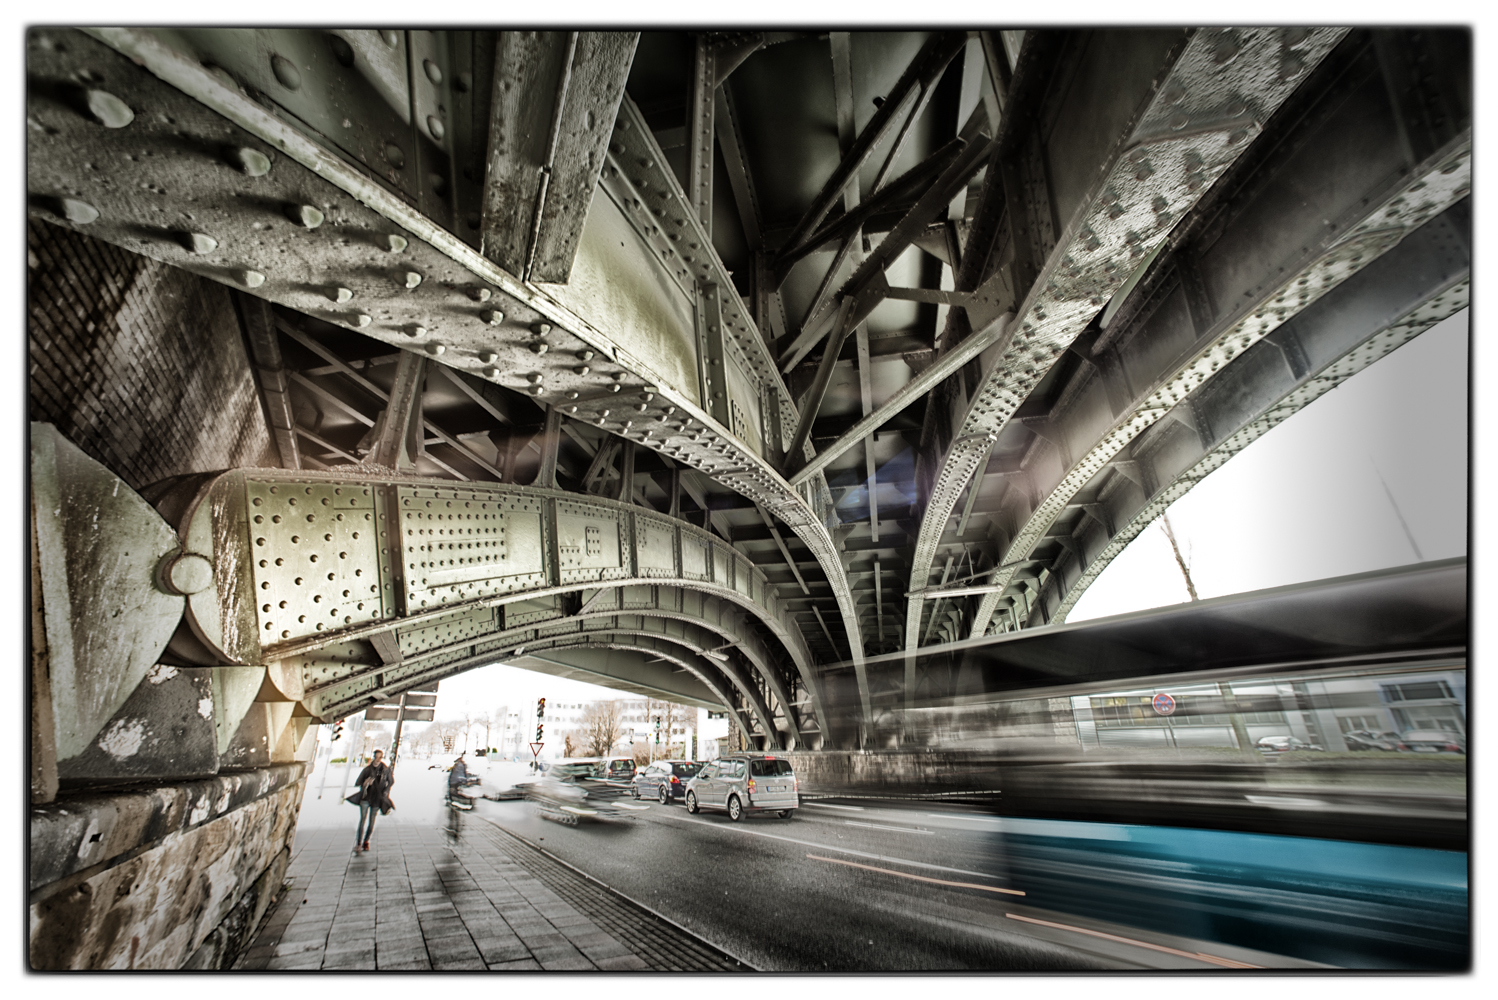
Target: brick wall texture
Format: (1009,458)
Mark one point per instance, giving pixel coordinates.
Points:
(140,364)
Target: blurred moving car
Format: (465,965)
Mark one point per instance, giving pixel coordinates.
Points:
(745,783)
(578,790)
(665,780)
(1434,741)
(1271,745)
(1363,739)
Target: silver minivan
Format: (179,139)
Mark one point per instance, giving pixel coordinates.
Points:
(745,783)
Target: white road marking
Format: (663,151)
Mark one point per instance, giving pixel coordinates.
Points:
(829,805)
(827,847)
(879,826)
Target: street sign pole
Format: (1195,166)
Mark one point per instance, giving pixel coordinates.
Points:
(356,735)
(325,769)
(400,720)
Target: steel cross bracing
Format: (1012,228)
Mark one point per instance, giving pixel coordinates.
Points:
(359,587)
(1091,435)
(1184,120)
(392,273)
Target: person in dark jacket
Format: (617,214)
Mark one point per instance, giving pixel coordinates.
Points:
(372,797)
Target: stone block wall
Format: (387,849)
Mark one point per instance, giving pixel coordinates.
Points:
(150,879)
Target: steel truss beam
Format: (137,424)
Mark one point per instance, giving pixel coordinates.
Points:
(1213,312)
(1411,288)
(411,282)
(1087,202)
(363,556)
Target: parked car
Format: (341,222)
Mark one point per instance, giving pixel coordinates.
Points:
(1434,741)
(665,780)
(1363,739)
(578,790)
(1271,745)
(745,783)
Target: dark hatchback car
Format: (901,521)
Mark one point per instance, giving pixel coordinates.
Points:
(665,780)
(1364,739)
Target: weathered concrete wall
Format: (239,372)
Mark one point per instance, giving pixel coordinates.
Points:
(146,879)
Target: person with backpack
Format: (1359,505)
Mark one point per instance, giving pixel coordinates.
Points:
(372,798)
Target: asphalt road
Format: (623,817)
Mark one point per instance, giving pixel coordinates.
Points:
(844,887)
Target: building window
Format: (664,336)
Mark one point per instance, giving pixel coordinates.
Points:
(1371,723)
(1420,691)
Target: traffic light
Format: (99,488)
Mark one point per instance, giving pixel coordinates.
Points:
(538,734)
(540,707)
(337,731)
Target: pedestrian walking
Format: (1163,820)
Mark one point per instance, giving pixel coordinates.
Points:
(372,798)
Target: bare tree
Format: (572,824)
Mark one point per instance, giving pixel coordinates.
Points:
(1180,560)
(569,745)
(601,727)
(483,721)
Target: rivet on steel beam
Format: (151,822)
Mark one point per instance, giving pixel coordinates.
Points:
(603,413)
(480,294)
(585,355)
(416,330)
(541,329)
(536,390)
(198,243)
(338,293)
(572,394)
(390,38)
(540,347)
(488,357)
(436,348)
(394,244)
(75,211)
(535,378)
(362,320)
(434,72)
(108,110)
(492,316)
(251,279)
(643,407)
(435,126)
(490,372)
(304,215)
(251,162)
(412,279)
(615,387)
(394,156)
(582,369)
(286,72)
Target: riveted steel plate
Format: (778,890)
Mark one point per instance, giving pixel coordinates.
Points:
(316,559)
(588,543)
(637,597)
(538,609)
(460,545)
(722,563)
(696,557)
(655,547)
(743,578)
(447,630)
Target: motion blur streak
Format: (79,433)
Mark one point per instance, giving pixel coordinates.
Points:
(1201,956)
(918,878)
(880,826)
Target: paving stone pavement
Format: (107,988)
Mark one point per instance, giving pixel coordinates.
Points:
(422,900)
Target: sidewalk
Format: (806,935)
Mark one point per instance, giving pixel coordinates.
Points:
(420,899)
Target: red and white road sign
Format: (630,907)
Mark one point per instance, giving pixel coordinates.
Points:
(536,749)
(1164,704)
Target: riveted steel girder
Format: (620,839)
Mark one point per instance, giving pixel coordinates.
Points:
(1132,143)
(208,178)
(308,561)
(342,678)
(1185,347)
(1424,280)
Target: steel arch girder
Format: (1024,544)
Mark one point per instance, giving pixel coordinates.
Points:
(1166,155)
(331,695)
(1399,200)
(1189,461)
(496,341)
(471,547)
(326,682)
